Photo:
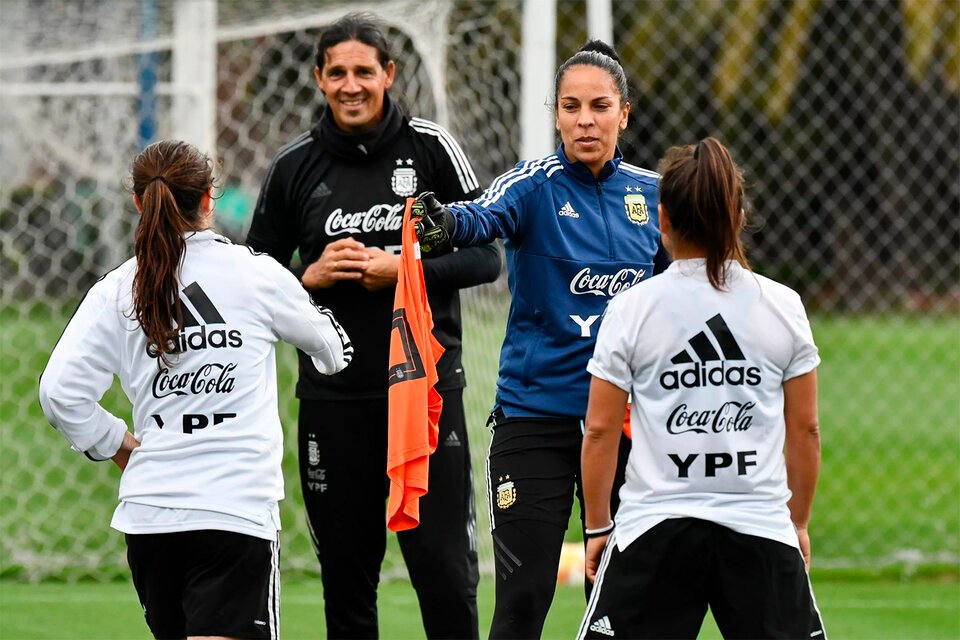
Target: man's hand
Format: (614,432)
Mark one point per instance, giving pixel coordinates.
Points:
(343,259)
(381,271)
(433,225)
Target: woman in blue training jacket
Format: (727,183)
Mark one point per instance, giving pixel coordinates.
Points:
(579,226)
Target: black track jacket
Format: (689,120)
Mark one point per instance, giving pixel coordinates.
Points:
(328,184)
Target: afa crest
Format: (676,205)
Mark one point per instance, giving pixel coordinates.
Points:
(404,181)
(636,207)
(506,493)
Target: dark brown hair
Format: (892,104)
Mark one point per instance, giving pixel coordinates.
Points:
(595,53)
(701,187)
(169,180)
(362,27)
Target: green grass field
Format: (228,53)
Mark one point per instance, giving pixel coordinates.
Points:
(890,423)
(851,610)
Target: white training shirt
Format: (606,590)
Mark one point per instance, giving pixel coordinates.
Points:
(706,371)
(209,428)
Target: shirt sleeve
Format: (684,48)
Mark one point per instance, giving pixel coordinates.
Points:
(80,371)
(273,229)
(806,356)
(463,268)
(453,177)
(611,355)
(498,212)
(311,328)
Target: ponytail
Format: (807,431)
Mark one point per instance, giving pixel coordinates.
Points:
(170,179)
(702,190)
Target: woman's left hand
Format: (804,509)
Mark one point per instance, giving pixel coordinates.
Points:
(595,547)
(804,538)
(122,456)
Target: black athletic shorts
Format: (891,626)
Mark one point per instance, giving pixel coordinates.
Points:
(207,583)
(661,585)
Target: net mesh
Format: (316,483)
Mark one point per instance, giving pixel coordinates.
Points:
(844,116)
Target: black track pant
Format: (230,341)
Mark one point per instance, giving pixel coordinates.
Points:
(343,453)
(661,585)
(533,473)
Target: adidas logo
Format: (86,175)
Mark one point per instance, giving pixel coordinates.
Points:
(602,626)
(702,374)
(322,191)
(195,336)
(568,211)
(452,440)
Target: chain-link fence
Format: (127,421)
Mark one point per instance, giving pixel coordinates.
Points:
(844,115)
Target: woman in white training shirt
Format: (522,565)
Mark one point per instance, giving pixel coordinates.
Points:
(189,326)
(721,366)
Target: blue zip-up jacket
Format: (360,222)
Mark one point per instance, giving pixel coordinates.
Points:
(572,242)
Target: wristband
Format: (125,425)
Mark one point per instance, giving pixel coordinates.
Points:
(598,533)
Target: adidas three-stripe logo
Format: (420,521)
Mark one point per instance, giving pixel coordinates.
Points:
(452,440)
(602,626)
(568,211)
(198,298)
(194,334)
(702,346)
(702,374)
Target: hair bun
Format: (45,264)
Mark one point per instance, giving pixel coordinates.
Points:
(599,46)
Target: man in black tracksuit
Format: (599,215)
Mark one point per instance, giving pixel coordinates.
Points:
(337,194)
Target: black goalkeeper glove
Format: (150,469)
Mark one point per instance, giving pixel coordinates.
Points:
(433,225)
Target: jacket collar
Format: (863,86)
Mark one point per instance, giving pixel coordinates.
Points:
(581,172)
(364,144)
(206,235)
